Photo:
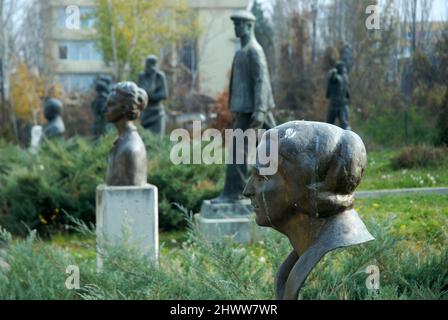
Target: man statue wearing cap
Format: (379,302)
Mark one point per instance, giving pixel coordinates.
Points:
(153,81)
(250,99)
(338,94)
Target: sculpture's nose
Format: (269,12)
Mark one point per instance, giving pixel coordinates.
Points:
(249,190)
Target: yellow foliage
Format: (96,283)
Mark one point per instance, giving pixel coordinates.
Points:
(26,90)
(140,27)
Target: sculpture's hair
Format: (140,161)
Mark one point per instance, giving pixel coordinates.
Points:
(329,161)
(152,58)
(130,97)
(53,106)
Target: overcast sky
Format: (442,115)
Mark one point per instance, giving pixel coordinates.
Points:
(440,10)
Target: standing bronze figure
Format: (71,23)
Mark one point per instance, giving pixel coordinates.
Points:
(310,199)
(153,81)
(250,99)
(127,160)
(339,96)
(55,128)
(99,106)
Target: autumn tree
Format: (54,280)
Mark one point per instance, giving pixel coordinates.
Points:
(129,30)
(26,92)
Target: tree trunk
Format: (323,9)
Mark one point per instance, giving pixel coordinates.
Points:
(114,41)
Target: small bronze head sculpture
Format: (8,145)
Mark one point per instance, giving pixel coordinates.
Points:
(151,64)
(55,127)
(127,160)
(341,68)
(310,198)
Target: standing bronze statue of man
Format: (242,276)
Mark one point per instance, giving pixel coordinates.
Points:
(153,81)
(250,99)
(339,96)
(99,106)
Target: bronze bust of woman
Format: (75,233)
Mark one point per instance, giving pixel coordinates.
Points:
(310,198)
(127,165)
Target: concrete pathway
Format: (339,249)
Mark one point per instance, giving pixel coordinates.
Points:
(399,192)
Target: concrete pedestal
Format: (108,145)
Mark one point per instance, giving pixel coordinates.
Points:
(128,215)
(228,220)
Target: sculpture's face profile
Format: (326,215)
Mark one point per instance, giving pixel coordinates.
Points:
(270,198)
(151,66)
(319,168)
(243,28)
(341,68)
(114,111)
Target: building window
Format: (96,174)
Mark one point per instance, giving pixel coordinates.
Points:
(77,82)
(63,52)
(187,55)
(79,51)
(87,17)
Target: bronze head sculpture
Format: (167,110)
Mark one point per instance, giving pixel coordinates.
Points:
(127,160)
(55,127)
(310,198)
(151,64)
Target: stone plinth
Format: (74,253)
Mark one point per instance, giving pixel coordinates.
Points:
(228,220)
(128,215)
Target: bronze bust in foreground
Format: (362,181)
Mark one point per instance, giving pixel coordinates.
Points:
(127,160)
(310,198)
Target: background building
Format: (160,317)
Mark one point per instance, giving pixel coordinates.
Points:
(217,43)
(72,59)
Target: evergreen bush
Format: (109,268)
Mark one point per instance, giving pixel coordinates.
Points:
(36,189)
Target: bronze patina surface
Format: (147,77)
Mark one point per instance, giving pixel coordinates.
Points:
(310,198)
(127,165)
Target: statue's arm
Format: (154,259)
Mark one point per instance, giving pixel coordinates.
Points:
(331,78)
(258,69)
(348,89)
(231,84)
(140,80)
(328,95)
(161,92)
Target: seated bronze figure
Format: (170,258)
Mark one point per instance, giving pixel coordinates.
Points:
(310,198)
(127,160)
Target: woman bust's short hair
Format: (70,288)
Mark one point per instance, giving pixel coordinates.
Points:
(131,98)
(328,160)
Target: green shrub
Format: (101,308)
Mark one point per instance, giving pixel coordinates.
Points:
(387,128)
(420,157)
(442,123)
(36,189)
(202,270)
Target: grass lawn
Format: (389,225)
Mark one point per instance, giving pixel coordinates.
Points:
(381,175)
(410,251)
